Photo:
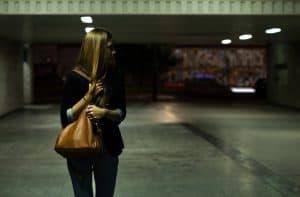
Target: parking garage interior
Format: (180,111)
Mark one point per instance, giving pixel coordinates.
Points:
(208,112)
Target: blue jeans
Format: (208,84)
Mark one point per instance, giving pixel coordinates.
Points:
(104,166)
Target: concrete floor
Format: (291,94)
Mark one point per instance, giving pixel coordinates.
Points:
(173,149)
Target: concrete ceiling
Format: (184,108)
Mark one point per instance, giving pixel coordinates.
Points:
(174,29)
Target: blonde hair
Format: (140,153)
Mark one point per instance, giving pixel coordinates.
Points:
(91,58)
(91,55)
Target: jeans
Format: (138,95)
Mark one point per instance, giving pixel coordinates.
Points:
(104,166)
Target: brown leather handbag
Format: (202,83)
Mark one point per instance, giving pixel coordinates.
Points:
(78,139)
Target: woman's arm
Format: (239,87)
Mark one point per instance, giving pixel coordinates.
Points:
(95,112)
(80,105)
(118,113)
(72,103)
(121,98)
(114,115)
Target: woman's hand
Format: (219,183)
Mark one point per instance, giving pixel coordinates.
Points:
(95,112)
(99,88)
(95,89)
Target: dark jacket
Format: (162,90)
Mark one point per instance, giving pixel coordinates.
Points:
(76,87)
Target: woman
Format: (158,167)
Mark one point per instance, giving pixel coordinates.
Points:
(104,103)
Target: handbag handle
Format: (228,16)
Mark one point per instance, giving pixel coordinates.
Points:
(82,74)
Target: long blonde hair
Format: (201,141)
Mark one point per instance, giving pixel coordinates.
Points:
(91,55)
(91,58)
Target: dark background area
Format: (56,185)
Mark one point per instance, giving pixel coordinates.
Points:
(152,71)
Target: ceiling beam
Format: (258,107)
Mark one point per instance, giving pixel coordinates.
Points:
(152,7)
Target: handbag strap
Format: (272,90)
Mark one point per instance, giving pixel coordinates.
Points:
(82,74)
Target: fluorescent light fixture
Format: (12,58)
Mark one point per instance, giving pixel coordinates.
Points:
(273,30)
(242,90)
(88,29)
(226,41)
(86,19)
(245,37)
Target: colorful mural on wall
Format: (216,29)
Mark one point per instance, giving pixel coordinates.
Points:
(234,67)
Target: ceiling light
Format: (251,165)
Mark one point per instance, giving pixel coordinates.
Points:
(245,37)
(86,19)
(273,30)
(242,90)
(88,29)
(226,41)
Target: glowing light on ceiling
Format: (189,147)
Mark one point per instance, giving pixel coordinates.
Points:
(86,19)
(242,90)
(226,41)
(273,30)
(245,37)
(88,29)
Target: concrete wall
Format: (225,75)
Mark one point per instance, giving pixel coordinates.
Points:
(11,77)
(284,74)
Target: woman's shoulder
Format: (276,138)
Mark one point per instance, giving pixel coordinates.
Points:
(81,74)
(73,75)
(73,79)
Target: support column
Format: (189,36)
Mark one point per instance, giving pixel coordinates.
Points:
(27,75)
(284,74)
(10,77)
